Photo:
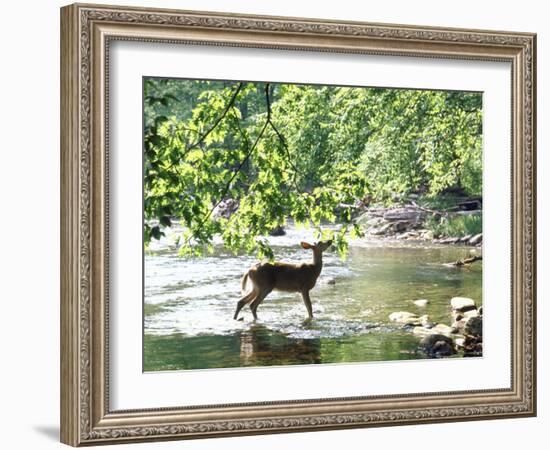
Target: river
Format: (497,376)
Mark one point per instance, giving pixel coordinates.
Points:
(189,305)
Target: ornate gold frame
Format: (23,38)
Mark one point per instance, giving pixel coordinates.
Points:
(86,31)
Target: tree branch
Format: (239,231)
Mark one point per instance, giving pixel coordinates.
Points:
(464,262)
(236,171)
(280,136)
(220,118)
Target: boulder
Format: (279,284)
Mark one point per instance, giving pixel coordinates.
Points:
(425,321)
(476,239)
(407,214)
(422,331)
(474,326)
(473,346)
(464,310)
(446,330)
(462,303)
(459,324)
(437,346)
(460,342)
(471,313)
(277,231)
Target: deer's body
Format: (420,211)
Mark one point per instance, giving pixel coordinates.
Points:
(280,276)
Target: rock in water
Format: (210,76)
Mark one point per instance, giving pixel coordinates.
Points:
(459,324)
(443,329)
(462,303)
(474,326)
(459,342)
(401,315)
(405,317)
(473,346)
(471,313)
(277,231)
(437,346)
(421,303)
(439,329)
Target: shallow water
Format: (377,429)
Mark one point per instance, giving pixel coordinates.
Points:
(189,305)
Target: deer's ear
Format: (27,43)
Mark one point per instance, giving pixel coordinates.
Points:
(305,245)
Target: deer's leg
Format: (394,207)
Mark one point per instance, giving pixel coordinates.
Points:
(254,305)
(307,302)
(243,301)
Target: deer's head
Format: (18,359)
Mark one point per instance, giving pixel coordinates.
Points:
(317,247)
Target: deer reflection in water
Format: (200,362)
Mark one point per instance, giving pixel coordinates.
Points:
(260,347)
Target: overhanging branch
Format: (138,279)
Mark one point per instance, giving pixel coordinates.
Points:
(219,119)
(237,170)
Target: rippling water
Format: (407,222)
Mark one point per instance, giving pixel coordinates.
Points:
(189,305)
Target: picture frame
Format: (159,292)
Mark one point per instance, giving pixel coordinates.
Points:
(87,31)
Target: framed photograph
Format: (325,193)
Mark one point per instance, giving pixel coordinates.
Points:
(278,224)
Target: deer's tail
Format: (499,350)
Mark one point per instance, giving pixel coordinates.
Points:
(244,281)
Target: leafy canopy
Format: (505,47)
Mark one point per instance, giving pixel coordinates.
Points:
(308,153)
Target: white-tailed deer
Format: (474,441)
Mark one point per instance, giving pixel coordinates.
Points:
(281,276)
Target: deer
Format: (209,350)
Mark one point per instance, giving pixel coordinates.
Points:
(280,276)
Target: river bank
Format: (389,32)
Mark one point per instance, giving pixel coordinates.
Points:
(413,222)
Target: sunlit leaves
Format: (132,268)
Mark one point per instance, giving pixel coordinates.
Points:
(319,151)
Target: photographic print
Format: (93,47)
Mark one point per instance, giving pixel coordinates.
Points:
(294,224)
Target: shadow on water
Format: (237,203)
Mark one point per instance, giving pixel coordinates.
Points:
(260,346)
(257,346)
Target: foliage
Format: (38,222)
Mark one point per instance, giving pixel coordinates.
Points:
(455,226)
(301,152)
